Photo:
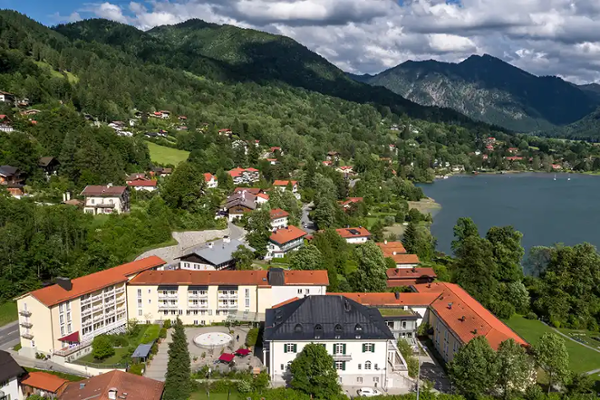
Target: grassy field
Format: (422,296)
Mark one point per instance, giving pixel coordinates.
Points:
(115,359)
(166,155)
(215,396)
(8,312)
(581,359)
(149,334)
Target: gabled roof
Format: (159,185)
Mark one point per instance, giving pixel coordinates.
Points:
(390,299)
(52,295)
(284,183)
(247,200)
(99,190)
(253,191)
(454,303)
(98,387)
(44,381)
(389,248)
(7,170)
(142,183)
(220,252)
(279,213)
(325,318)
(400,259)
(45,161)
(8,367)
(410,273)
(350,200)
(208,177)
(347,233)
(284,235)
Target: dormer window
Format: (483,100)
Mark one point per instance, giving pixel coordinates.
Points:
(358,328)
(318,331)
(338,331)
(298,328)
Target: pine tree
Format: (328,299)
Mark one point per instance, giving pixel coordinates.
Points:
(409,237)
(178,383)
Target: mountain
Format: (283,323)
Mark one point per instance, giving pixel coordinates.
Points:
(364,78)
(592,90)
(491,90)
(235,54)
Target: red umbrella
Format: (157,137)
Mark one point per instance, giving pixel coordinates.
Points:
(227,357)
(242,352)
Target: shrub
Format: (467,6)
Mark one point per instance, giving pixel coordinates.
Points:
(252,337)
(244,386)
(102,347)
(167,324)
(154,349)
(136,369)
(17,347)
(163,333)
(260,382)
(119,340)
(389,220)
(531,315)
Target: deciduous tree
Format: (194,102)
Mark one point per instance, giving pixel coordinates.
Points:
(552,356)
(473,370)
(313,373)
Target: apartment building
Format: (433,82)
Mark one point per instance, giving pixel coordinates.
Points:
(105,199)
(361,344)
(62,319)
(204,297)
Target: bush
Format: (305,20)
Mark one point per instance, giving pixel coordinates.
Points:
(119,340)
(163,333)
(167,324)
(389,220)
(244,386)
(252,337)
(260,382)
(102,347)
(531,315)
(136,369)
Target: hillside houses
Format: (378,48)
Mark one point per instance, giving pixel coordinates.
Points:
(244,176)
(210,180)
(283,185)
(354,235)
(284,241)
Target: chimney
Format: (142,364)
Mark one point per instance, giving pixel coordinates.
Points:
(210,245)
(64,283)
(397,295)
(64,197)
(462,319)
(450,306)
(68,196)
(109,185)
(112,394)
(393,253)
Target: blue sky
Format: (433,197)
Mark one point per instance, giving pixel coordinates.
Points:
(544,37)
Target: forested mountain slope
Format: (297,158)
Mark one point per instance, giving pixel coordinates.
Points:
(491,90)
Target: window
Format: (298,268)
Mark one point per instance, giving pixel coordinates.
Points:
(139,292)
(376,366)
(139,302)
(69,316)
(359,379)
(62,319)
(247,292)
(339,348)
(62,331)
(368,347)
(68,306)
(368,365)
(69,330)
(299,291)
(403,324)
(340,365)
(173,312)
(149,291)
(282,367)
(61,307)
(359,366)
(306,291)
(318,331)
(376,379)
(149,301)
(298,328)
(247,303)
(195,322)
(290,348)
(139,313)
(180,312)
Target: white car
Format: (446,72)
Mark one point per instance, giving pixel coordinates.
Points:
(368,392)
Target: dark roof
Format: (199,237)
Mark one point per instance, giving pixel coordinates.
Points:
(217,252)
(9,367)
(142,350)
(45,161)
(325,318)
(7,170)
(99,190)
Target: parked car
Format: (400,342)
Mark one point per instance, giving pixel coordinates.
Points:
(368,392)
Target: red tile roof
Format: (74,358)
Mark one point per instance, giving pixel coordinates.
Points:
(44,381)
(52,295)
(406,273)
(326,162)
(514,158)
(142,182)
(405,258)
(455,303)
(284,183)
(98,387)
(391,248)
(317,277)
(208,177)
(99,190)
(279,213)
(263,196)
(288,234)
(350,201)
(360,232)
(389,298)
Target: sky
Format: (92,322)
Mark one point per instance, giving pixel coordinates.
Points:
(544,37)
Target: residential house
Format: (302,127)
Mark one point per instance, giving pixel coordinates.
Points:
(327,163)
(333,156)
(206,297)
(211,180)
(62,319)
(162,172)
(346,204)
(164,114)
(239,204)
(393,149)
(261,199)
(514,158)
(105,199)
(397,252)
(403,277)
(283,185)
(134,176)
(284,241)
(361,344)
(345,169)
(182,118)
(10,373)
(117,125)
(225,132)
(385,160)
(5,124)
(456,318)
(50,166)
(43,384)
(30,112)
(24,102)
(212,256)
(114,385)
(279,218)
(246,176)
(275,149)
(273,161)
(240,144)
(10,175)
(354,235)
(254,191)
(513,150)
(148,185)
(6,97)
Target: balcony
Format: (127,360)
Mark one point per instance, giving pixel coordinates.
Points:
(86,301)
(342,357)
(87,311)
(98,317)
(109,303)
(197,295)
(110,313)
(167,296)
(109,294)
(25,313)
(169,306)
(228,296)
(198,306)
(26,324)
(86,322)
(120,290)
(27,335)
(222,306)
(96,298)
(120,299)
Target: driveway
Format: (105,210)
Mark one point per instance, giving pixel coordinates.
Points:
(9,335)
(158,366)
(307,224)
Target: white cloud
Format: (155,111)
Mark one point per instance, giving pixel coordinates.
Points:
(546,37)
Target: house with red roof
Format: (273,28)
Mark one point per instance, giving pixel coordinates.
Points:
(345,169)
(283,185)
(148,185)
(43,384)
(354,235)
(284,241)
(279,218)
(211,180)
(333,156)
(327,163)
(114,385)
(513,150)
(5,124)
(346,204)
(514,158)
(244,176)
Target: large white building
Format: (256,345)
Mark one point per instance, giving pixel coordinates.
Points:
(362,346)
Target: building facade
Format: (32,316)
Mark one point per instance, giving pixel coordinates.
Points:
(105,199)
(284,241)
(211,180)
(279,218)
(361,345)
(63,319)
(212,256)
(354,235)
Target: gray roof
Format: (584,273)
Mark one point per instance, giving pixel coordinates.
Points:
(221,251)
(142,350)
(325,318)
(245,199)
(7,170)
(9,367)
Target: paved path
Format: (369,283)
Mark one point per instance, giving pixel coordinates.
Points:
(307,224)
(9,335)
(158,366)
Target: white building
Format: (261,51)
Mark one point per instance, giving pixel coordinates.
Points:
(244,176)
(282,185)
(211,256)
(279,218)
(285,240)
(105,199)
(362,346)
(211,180)
(354,235)
(10,372)
(144,184)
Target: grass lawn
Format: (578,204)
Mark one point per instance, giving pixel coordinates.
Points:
(116,359)
(581,359)
(166,155)
(215,396)
(8,312)
(149,334)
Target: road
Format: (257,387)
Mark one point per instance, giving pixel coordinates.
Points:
(307,224)
(9,335)
(235,232)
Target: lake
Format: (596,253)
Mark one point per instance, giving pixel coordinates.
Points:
(545,210)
